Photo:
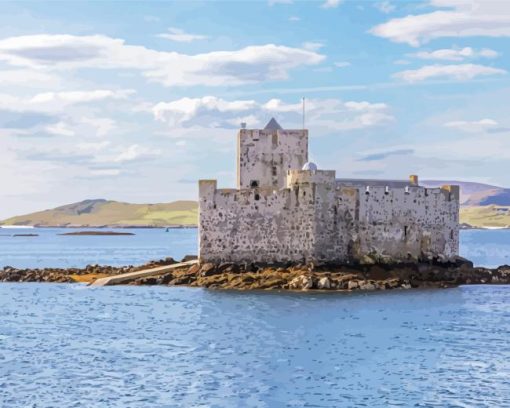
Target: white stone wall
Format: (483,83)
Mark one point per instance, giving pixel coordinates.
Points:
(255,225)
(307,216)
(265,156)
(407,223)
(314,220)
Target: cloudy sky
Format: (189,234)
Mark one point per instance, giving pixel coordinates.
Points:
(135,101)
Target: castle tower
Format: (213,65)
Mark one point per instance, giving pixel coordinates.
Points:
(264,156)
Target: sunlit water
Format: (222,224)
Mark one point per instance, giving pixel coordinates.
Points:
(73,346)
(51,249)
(64,345)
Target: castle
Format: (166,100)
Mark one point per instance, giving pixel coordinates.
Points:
(285,210)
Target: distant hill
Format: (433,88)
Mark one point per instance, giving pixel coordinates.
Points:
(100,213)
(475,194)
(482,205)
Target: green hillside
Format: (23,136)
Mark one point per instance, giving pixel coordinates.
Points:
(489,216)
(99,213)
(482,205)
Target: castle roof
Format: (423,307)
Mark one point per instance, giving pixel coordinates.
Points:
(273,125)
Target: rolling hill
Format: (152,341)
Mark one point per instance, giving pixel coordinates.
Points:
(100,213)
(482,206)
(476,194)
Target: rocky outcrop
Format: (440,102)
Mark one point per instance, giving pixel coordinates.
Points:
(372,277)
(87,274)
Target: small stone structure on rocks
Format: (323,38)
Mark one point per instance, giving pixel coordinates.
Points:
(286,210)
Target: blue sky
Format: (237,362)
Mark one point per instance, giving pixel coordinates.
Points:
(135,101)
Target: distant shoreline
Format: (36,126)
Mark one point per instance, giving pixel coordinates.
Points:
(461,226)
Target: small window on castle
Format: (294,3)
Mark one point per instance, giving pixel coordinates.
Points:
(406,228)
(386,190)
(257,197)
(254,183)
(451,234)
(367,190)
(275,171)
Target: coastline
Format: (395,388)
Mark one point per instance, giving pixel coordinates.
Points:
(248,277)
(189,226)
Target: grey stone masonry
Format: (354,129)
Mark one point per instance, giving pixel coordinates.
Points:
(280,213)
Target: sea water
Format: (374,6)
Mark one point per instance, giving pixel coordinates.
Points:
(52,249)
(64,345)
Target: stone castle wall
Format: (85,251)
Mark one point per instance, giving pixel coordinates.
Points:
(315,220)
(266,155)
(279,213)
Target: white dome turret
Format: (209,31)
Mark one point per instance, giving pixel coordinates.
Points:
(310,166)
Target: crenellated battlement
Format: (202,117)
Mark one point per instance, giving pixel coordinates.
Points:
(287,210)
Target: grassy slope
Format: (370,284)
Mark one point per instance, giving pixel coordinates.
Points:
(96,213)
(113,213)
(486,216)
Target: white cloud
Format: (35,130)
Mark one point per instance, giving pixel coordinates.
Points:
(463,18)
(385,7)
(312,46)
(294,18)
(135,152)
(105,172)
(100,126)
(179,112)
(472,126)
(176,34)
(342,64)
(28,78)
(251,64)
(74,97)
(459,72)
(331,4)
(57,101)
(93,146)
(365,106)
(60,129)
(328,114)
(452,54)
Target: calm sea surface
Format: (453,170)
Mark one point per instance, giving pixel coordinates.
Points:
(64,345)
(50,249)
(73,346)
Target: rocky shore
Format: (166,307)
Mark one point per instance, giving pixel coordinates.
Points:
(433,274)
(87,274)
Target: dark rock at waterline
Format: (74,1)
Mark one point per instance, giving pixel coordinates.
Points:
(430,274)
(96,233)
(188,258)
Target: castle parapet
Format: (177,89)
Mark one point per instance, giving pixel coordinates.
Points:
(453,190)
(310,176)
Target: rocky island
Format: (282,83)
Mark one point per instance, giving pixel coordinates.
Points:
(344,278)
